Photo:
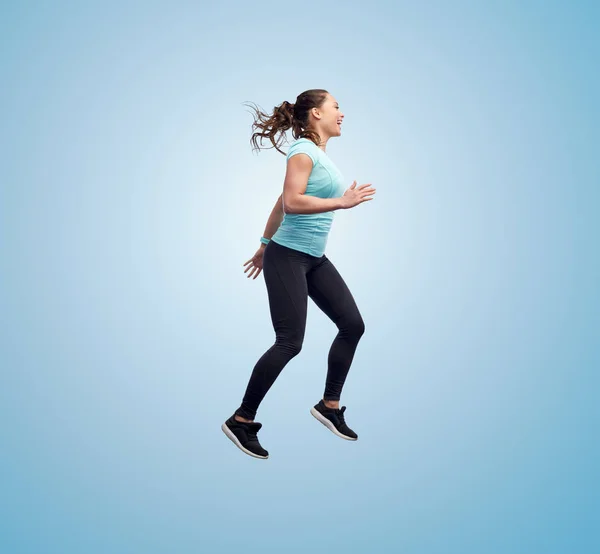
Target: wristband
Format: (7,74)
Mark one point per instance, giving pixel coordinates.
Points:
(264,240)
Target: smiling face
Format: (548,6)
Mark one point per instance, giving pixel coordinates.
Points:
(329,117)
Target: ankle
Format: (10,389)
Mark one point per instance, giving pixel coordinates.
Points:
(242,419)
(334,404)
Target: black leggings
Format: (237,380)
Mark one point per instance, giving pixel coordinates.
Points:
(291,277)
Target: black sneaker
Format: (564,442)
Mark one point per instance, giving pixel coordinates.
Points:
(243,435)
(334,420)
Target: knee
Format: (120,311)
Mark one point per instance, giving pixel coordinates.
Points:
(294,347)
(290,345)
(354,327)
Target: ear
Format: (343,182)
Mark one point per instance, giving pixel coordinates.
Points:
(316,113)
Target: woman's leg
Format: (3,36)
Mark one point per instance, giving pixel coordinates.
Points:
(331,294)
(284,270)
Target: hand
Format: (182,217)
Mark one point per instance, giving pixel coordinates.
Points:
(355,196)
(255,263)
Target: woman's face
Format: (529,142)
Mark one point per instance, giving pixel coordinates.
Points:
(331,116)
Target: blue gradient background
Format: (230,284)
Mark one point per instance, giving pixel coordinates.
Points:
(131,198)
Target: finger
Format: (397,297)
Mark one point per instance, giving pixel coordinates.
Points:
(353,185)
(247,262)
(363,186)
(249,267)
(257,273)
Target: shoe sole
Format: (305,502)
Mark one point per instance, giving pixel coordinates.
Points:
(235,441)
(329,425)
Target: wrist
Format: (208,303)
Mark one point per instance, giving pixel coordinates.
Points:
(264,241)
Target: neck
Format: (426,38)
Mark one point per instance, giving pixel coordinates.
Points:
(323,140)
(323,144)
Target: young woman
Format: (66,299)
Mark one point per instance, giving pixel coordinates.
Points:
(295,267)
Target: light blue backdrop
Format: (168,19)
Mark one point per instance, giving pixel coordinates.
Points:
(131,198)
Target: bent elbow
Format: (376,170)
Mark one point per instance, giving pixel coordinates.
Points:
(288,206)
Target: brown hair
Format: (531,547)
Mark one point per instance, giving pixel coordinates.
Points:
(287,116)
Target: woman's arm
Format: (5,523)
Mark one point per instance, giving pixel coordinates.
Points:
(294,187)
(274,220)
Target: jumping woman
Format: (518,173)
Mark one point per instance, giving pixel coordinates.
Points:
(292,256)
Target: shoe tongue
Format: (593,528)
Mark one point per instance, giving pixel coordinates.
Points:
(254,426)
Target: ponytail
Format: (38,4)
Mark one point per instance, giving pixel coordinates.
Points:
(287,116)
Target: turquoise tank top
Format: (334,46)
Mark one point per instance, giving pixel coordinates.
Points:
(309,232)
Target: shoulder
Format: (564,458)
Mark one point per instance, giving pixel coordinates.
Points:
(304,146)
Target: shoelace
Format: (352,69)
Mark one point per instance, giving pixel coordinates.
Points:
(340,415)
(252,435)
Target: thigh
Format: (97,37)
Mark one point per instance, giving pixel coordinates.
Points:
(284,272)
(329,291)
